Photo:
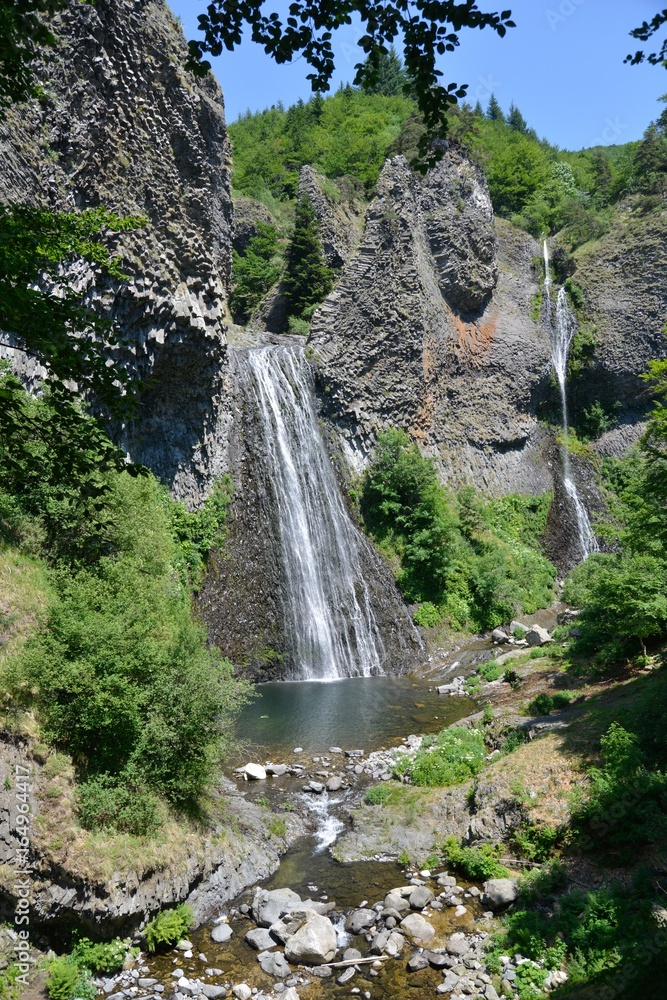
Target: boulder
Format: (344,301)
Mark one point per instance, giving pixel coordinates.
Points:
(255,771)
(395,944)
(309,937)
(361,920)
(277,770)
(242,991)
(221,933)
(212,992)
(420,897)
(270,905)
(458,944)
(260,939)
(418,929)
(394,901)
(500,892)
(537,636)
(335,784)
(273,964)
(417,963)
(498,635)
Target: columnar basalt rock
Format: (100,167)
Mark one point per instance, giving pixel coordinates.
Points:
(341,219)
(122,124)
(430,329)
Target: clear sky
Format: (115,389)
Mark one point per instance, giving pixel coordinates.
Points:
(562,65)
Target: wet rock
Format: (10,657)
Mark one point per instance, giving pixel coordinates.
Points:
(322,972)
(260,939)
(277,770)
(274,964)
(420,897)
(500,892)
(346,976)
(360,921)
(212,992)
(458,944)
(268,906)
(438,960)
(351,955)
(242,991)
(184,945)
(221,933)
(315,786)
(417,963)
(395,944)
(396,903)
(415,927)
(334,784)
(450,982)
(255,771)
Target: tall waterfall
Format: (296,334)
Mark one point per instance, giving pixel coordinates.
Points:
(562,332)
(330,622)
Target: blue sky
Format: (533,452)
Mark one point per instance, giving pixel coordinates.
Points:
(562,65)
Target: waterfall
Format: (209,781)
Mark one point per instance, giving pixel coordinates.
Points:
(562,332)
(330,622)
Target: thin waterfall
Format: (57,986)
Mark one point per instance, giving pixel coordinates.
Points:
(562,332)
(330,622)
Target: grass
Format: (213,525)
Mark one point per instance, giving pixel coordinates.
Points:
(25,589)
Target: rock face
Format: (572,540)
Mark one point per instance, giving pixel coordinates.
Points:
(123,125)
(339,214)
(430,329)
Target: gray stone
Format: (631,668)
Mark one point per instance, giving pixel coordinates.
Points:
(438,960)
(221,933)
(458,944)
(361,920)
(420,897)
(242,991)
(537,636)
(498,635)
(260,939)
(450,982)
(500,892)
(213,992)
(417,963)
(145,983)
(415,927)
(351,955)
(274,964)
(269,905)
(395,944)
(397,903)
(309,937)
(334,784)
(321,971)
(490,992)
(184,945)
(277,770)
(346,976)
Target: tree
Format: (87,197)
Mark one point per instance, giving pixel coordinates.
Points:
(307,278)
(650,164)
(494,112)
(391,78)
(516,120)
(427,30)
(643,33)
(255,271)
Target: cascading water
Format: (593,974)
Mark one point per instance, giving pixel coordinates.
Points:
(330,621)
(562,332)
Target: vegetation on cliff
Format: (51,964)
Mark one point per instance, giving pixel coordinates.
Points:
(475,563)
(117,671)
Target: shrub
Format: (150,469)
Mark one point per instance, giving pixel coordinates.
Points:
(456,755)
(62,979)
(427,615)
(536,843)
(545,703)
(169,927)
(110,802)
(100,957)
(478,863)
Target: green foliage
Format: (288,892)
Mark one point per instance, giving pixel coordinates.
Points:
(255,271)
(118,671)
(425,33)
(101,957)
(575,293)
(456,755)
(544,703)
(477,863)
(199,531)
(23,35)
(427,615)
(471,561)
(169,927)
(387,77)
(62,979)
(43,314)
(536,843)
(307,279)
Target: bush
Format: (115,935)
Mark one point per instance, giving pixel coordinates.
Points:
(536,843)
(456,755)
(101,957)
(545,703)
(115,802)
(169,927)
(477,863)
(427,616)
(62,979)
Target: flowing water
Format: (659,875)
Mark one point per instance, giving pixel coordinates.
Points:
(330,622)
(562,332)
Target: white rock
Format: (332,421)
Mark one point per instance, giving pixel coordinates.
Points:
(221,933)
(255,771)
(242,991)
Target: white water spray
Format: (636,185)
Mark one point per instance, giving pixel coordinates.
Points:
(562,332)
(330,622)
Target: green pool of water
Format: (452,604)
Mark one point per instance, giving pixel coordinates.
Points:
(360,713)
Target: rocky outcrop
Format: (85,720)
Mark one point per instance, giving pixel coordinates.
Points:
(430,328)
(248,216)
(623,277)
(75,883)
(339,213)
(122,124)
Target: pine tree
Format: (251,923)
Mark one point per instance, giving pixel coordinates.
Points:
(391,75)
(494,112)
(307,279)
(478,110)
(516,120)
